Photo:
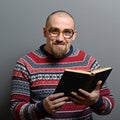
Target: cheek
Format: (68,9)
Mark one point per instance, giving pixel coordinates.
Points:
(68,44)
(69,41)
(49,41)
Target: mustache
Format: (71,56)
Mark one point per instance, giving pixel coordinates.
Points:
(58,42)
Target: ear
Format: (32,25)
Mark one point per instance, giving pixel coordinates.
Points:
(74,36)
(44,32)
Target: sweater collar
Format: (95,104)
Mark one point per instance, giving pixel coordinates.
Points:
(50,55)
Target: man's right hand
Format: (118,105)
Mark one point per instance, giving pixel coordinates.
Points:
(54,102)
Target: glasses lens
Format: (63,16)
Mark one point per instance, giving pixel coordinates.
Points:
(68,33)
(54,31)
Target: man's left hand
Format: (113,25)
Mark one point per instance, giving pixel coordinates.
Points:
(87,98)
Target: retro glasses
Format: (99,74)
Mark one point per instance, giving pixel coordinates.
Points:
(55,32)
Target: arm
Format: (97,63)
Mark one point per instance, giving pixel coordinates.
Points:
(105,103)
(100,101)
(20,103)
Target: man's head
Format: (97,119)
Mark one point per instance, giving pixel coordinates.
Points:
(59,32)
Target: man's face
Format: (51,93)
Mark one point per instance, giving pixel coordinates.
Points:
(59,34)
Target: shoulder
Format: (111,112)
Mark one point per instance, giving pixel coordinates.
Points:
(87,58)
(27,57)
(81,53)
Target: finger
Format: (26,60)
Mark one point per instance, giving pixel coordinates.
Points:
(84,93)
(57,106)
(98,85)
(55,96)
(60,100)
(76,101)
(77,96)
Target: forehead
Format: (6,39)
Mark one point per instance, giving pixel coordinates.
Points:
(61,21)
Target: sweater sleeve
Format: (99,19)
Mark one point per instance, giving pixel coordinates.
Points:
(105,104)
(20,103)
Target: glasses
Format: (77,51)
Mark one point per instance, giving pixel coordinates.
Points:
(55,32)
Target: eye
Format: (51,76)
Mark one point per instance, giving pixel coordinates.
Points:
(54,30)
(68,32)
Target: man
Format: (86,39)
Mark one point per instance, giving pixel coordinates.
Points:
(37,74)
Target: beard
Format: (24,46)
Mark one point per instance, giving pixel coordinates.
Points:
(59,49)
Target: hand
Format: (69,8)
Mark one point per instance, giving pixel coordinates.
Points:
(87,99)
(53,102)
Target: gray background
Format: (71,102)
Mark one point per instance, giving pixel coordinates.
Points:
(98,25)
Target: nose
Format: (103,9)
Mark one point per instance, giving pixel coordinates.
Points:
(60,37)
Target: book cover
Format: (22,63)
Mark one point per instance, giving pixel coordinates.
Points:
(72,80)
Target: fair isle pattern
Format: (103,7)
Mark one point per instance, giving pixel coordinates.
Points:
(36,76)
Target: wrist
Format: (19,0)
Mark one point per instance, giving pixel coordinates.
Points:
(98,103)
(40,108)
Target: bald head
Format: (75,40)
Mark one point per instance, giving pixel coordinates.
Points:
(59,13)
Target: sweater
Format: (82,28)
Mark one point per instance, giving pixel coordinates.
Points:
(36,75)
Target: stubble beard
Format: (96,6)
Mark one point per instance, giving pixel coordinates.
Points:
(59,52)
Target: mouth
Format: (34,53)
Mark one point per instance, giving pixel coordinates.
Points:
(60,43)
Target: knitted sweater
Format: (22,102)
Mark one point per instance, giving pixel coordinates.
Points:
(36,75)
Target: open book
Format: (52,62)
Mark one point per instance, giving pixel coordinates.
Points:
(72,80)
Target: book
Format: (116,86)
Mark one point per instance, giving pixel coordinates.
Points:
(72,80)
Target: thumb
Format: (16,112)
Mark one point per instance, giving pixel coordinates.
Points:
(98,85)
